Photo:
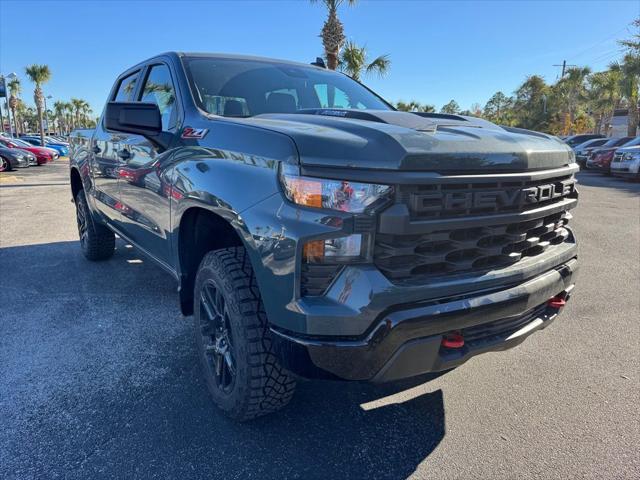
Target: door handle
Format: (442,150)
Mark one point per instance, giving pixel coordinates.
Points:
(124,154)
(96,149)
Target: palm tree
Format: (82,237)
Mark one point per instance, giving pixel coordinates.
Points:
(571,90)
(78,105)
(39,74)
(354,62)
(14,90)
(604,95)
(85,111)
(333,32)
(68,114)
(629,71)
(58,108)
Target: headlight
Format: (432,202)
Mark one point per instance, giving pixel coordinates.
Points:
(342,195)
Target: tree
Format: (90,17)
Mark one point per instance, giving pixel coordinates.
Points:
(497,108)
(59,108)
(603,97)
(14,91)
(39,74)
(354,62)
(629,71)
(68,114)
(79,106)
(451,108)
(333,32)
(571,91)
(414,106)
(530,106)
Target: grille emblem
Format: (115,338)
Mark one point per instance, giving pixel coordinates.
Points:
(487,199)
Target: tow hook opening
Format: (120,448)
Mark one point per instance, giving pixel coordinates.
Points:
(452,340)
(558,301)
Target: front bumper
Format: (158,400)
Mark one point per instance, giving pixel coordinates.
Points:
(626,169)
(407,342)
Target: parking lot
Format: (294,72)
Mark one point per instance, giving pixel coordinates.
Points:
(99,376)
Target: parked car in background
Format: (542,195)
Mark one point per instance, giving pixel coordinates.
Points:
(13,158)
(583,150)
(626,160)
(574,140)
(600,158)
(62,149)
(43,155)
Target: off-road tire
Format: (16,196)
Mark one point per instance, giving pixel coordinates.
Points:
(96,241)
(260,384)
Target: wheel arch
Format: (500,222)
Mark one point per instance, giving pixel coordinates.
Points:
(201,230)
(75,181)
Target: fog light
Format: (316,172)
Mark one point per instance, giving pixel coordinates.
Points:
(335,250)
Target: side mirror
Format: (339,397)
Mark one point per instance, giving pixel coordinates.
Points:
(133,117)
(140,119)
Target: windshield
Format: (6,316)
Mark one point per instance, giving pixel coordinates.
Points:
(21,143)
(243,88)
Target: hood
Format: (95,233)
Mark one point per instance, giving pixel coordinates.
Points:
(37,150)
(392,140)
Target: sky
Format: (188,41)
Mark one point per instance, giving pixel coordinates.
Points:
(462,50)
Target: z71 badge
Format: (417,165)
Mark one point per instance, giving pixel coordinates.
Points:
(189,132)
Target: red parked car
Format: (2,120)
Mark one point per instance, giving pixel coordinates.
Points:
(43,155)
(601,157)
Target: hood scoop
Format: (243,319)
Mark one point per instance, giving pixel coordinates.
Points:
(400,119)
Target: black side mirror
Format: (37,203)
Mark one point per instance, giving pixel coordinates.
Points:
(133,117)
(139,119)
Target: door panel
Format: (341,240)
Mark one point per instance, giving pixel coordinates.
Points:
(144,198)
(104,165)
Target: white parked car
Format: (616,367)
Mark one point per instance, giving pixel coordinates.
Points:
(626,161)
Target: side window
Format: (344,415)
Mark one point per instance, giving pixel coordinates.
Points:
(126,88)
(158,89)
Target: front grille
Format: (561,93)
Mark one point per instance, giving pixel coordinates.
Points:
(489,231)
(618,157)
(468,249)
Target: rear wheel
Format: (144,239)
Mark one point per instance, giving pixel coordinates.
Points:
(5,165)
(243,375)
(96,241)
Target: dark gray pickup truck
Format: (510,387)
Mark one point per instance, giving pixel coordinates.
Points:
(316,232)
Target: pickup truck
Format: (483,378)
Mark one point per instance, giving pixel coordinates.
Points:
(316,232)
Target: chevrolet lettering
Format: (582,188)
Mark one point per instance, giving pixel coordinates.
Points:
(491,199)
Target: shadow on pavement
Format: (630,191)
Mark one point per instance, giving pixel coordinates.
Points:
(99,378)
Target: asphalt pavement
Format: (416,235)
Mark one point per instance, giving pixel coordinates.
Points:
(99,376)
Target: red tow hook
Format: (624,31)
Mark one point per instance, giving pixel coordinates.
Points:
(557,302)
(452,340)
